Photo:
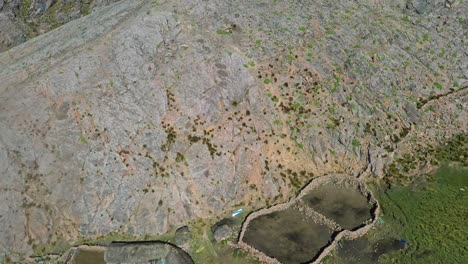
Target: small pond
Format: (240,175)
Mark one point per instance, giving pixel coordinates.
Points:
(300,232)
(287,236)
(90,256)
(344,205)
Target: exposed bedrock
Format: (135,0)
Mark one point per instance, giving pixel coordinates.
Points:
(144,115)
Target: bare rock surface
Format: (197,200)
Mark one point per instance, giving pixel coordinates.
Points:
(223,232)
(182,237)
(21,20)
(144,115)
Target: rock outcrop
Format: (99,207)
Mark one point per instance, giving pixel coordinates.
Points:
(144,115)
(182,237)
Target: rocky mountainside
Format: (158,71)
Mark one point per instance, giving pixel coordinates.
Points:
(144,115)
(21,20)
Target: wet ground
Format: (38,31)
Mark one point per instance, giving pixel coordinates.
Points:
(344,205)
(287,236)
(362,251)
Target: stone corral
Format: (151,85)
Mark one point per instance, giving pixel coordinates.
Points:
(340,232)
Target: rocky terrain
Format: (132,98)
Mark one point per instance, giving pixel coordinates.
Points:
(21,20)
(144,115)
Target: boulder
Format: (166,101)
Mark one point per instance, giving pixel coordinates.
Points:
(223,232)
(145,252)
(182,237)
(423,7)
(412,113)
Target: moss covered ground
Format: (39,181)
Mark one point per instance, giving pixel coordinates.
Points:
(423,222)
(431,217)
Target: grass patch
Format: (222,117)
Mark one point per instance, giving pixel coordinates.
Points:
(85,8)
(223,32)
(454,149)
(25,10)
(356,143)
(430,216)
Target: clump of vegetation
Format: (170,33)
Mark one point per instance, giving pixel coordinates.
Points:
(180,157)
(455,149)
(356,143)
(227,31)
(25,10)
(171,137)
(83,140)
(438,85)
(193,139)
(85,8)
(212,148)
(223,32)
(50,16)
(68,7)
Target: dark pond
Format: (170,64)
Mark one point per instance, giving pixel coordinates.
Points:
(90,257)
(292,237)
(344,205)
(361,251)
(287,236)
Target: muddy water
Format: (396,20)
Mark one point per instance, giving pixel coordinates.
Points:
(287,235)
(344,205)
(90,257)
(298,234)
(362,251)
